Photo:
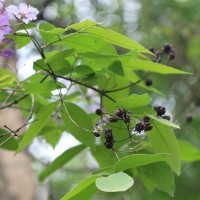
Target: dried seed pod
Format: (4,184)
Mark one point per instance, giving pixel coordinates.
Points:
(108,144)
(146,119)
(188,118)
(108,134)
(97,133)
(113,118)
(167,48)
(167,117)
(148,82)
(152,49)
(160,110)
(171,55)
(120,112)
(139,127)
(127,118)
(148,127)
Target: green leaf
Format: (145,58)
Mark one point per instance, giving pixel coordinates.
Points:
(189,153)
(150,66)
(137,160)
(103,156)
(88,43)
(60,161)
(163,140)
(21,40)
(43,116)
(82,25)
(83,187)
(7,79)
(165,122)
(161,175)
(60,55)
(134,101)
(74,119)
(114,38)
(104,171)
(115,183)
(26,26)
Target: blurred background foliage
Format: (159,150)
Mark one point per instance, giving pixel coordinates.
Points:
(152,23)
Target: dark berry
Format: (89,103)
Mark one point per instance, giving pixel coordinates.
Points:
(167,48)
(167,117)
(97,133)
(113,118)
(120,112)
(139,127)
(148,127)
(146,119)
(99,111)
(171,55)
(148,82)
(160,110)
(189,118)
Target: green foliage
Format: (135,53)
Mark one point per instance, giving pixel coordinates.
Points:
(83,60)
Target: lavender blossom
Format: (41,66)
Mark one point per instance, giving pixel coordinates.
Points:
(24,12)
(4,22)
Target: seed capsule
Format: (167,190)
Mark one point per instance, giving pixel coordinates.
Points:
(146,119)
(167,117)
(139,127)
(108,144)
(97,133)
(160,110)
(148,82)
(113,118)
(99,111)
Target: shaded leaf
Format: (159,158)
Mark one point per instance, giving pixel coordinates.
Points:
(43,116)
(163,140)
(82,188)
(60,161)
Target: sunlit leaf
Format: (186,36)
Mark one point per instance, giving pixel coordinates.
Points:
(115,182)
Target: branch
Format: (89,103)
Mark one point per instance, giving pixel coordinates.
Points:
(14,102)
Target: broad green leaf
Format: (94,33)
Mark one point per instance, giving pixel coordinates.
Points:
(134,101)
(163,140)
(144,65)
(189,152)
(60,161)
(81,188)
(115,183)
(117,68)
(42,116)
(137,160)
(88,43)
(164,121)
(103,156)
(82,25)
(26,26)
(7,79)
(161,175)
(21,39)
(104,171)
(134,78)
(44,29)
(60,55)
(115,38)
(75,119)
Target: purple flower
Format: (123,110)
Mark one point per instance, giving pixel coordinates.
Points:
(24,12)
(4,22)
(7,53)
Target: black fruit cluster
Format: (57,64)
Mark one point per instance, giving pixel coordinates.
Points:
(145,125)
(165,49)
(120,114)
(160,110)
(109,138)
